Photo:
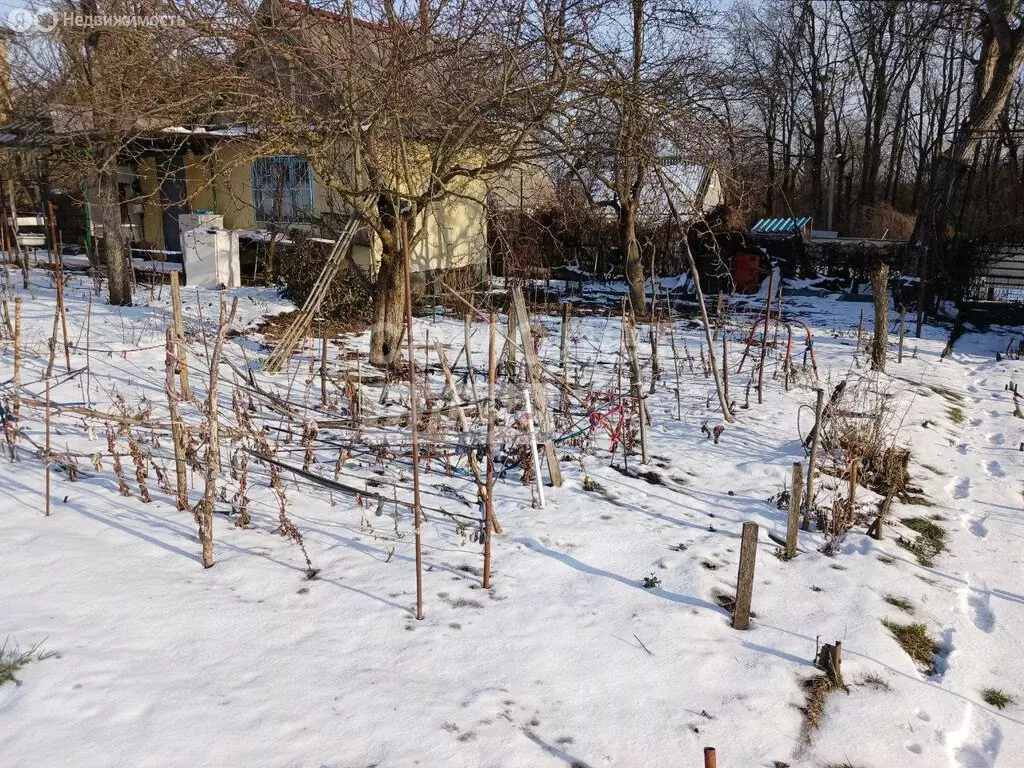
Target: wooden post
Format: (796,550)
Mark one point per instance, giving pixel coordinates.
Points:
(860,330)
(564,356)
(58,272)
(796,490)
(679,375)
(536,382)
(509,353)
(323,363)
(903,333)
(213,438)
(177,427)
(652,332)
(52,342)
(179,333)
(417,510)
(745,577)
(17,357)
(854,467)
(489,501)
(467,328)
(22,253)
(725,365)
(46,453)
(819,407)
(710,758)
(564,349)
(764,337)
(836,662)
(629,339)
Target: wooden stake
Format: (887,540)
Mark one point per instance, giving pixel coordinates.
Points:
(509,353)
(764,337)
(467,327)
(46,454)
(564,356)
(489,501)
(903,333)
(177,427)
(725,365)
(819,406)
(417,510)
(860,330)
(58,271)
(213,441)
(179,334)
(17,357)
(745,576)
(536,383)
(629,339)
(52,343)
(796,491)
(710,758)
(836,661)
(323,363)
(854,467)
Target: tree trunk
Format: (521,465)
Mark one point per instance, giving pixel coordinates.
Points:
(388,306)
(995,73)
(634,264)
(880,287)
(118,279)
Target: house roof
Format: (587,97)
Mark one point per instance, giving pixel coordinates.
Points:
(781,226)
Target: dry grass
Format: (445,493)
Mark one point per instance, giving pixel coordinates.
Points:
(929,542)
(915,640)
(899,602)
(12,661)
(817,690)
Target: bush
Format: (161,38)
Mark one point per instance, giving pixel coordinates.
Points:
(299,266)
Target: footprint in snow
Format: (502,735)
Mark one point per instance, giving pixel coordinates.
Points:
(963,448)
(995,469)
(961,488)
(977,527)
(976,744)
(977,601)
(997,438)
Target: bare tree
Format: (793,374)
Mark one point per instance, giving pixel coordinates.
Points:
(97,93)
(1001,51)
(405,108)
(640,74)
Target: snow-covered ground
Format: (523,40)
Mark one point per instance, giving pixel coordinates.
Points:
(567,659)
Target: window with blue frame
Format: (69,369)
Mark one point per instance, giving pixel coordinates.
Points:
(282,189)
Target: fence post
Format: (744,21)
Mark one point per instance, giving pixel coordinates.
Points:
(819,406)
(710,758)
(903,333)
(793,521)
(179,334)
(745,576)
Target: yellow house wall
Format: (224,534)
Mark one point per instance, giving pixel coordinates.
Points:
(199,182)
(456,229)
(152,213)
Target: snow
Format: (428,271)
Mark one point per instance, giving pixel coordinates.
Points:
(567,659)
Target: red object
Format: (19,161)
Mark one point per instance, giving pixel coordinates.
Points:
(746,272)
